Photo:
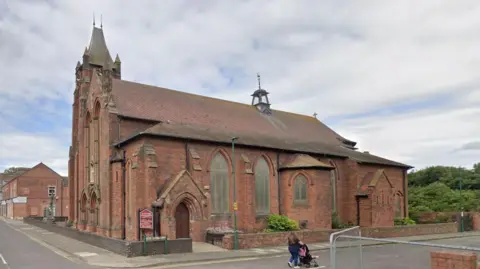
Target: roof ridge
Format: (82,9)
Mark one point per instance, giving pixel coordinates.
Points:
(213,98)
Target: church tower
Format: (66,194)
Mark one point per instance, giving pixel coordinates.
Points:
(96,61)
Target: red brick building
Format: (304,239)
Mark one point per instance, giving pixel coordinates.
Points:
(138,146)
(27,193)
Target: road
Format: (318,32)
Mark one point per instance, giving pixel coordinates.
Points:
(20,252)
(374,257)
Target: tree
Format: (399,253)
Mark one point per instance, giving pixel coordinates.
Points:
(437,189)
(14,170)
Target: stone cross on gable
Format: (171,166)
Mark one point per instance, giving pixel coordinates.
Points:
(315,115)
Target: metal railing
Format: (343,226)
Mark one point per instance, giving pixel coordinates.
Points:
(333,246)
(354,249)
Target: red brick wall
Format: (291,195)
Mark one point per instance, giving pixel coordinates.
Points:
(313,236)
(20,211)
(274,239)
(453,260)
(409,230)
(318,210)
(431,217)
(476,220)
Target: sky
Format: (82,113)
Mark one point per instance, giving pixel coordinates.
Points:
(401,78)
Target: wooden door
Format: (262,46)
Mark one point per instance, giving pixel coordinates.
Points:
(182,219)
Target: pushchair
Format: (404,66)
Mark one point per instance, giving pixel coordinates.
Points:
(306,259)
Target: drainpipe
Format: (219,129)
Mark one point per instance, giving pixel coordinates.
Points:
(358,210)
(280,209)
(405,194)
(123,196)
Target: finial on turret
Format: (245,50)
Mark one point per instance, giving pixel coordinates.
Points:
(258,78)
(93,19)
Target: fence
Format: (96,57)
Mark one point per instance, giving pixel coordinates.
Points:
(348,249)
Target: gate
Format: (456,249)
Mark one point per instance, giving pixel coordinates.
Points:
(467,224)
(349,250)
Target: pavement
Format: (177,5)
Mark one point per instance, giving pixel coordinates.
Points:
(374,257)
(18,251)
(77,252)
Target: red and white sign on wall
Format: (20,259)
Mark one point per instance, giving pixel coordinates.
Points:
(146,219)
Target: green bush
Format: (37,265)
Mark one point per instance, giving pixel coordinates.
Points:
(277,223)
(69,223)
(338,224)
(405,221)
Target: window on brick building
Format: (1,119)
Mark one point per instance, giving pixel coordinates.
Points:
(300,189)
(96,143)
(398,207)
(51,191)
(219,184)
(333,183)
(262,187)
(87,147)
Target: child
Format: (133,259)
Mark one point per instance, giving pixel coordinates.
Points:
(294,245)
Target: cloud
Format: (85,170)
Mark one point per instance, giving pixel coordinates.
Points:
(403,82)
(471,146)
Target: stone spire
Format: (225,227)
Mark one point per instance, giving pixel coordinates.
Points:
(97,50)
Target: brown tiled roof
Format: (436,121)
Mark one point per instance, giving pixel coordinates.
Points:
(305,161)
(191,116)
(160,104)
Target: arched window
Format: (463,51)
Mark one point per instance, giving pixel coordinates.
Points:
(96,143)
(219,184)
(300,189)
(398,206)
(129,195)
(333,183)
(262,187)
(87,147)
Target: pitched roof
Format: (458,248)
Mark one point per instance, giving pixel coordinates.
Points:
(305,161)
(370,180)
(191,116)
(162,104)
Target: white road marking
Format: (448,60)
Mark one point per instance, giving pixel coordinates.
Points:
(85,254)
(27,228)
(47,233)
(2,259)
(46,245)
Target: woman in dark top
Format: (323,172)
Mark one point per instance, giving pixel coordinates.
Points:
(294,245)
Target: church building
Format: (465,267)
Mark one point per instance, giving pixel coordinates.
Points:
(194,161)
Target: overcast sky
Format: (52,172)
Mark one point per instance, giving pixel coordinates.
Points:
(402,78)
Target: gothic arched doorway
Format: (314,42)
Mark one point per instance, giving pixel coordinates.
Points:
(182,220)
